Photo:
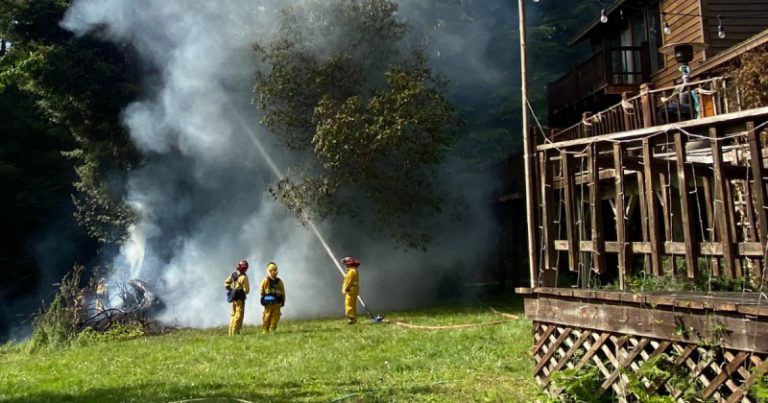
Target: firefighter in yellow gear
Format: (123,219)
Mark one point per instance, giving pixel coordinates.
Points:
(238,287)
(102,295)
(272,292)
(351,289)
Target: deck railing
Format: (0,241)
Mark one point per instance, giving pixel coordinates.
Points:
(671,199)
(652,107)
(609,65)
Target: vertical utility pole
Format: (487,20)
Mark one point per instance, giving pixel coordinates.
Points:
(528,155)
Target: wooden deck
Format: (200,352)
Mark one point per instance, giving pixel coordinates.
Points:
(716,341)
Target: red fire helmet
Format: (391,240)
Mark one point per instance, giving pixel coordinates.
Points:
(350,262)
(242,265)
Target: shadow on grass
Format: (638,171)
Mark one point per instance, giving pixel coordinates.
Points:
(479,301)
(158,392)
(219,392)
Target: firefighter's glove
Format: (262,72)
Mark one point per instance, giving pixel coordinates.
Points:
(228,288)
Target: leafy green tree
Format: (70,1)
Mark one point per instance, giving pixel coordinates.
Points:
(370,121)
(78,85)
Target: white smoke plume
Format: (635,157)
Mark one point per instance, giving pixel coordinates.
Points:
(202,194)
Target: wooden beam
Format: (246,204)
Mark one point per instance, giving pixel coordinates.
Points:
(636,163)
(621,221)
(570,213)
(743,249)
(730,208)
(663,322)
(722,217)
(529,153)
(639,133)
(758,187)
(548,275)
(643,201)
(650,196)
(596,213)
(751,234)
(664,198)
(691,244)
(711,235)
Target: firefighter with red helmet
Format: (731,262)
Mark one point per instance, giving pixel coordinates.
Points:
(238,287)
(351,288)
(272,292)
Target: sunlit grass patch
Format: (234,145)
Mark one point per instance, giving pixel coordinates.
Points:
(304,361)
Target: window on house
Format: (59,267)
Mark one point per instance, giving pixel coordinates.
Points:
(654,35)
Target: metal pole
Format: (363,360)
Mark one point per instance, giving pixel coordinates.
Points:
(528,154)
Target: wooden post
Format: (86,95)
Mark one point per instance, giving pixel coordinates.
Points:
(730,208)
(664,192)
(650,193)
(722,215)
(570,213)
(627,121)
(549,274)
(528,153)
(621,222)
(758,187)
(752,234)
(643,201)
(648,107)
(586,131)
(598,245)
(711,234)
(691,245)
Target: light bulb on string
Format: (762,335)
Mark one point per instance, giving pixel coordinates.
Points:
(720,29)
(667,29)
(603,16)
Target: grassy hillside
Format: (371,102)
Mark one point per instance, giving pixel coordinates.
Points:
(304,361)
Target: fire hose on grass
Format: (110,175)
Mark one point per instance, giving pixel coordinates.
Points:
(507,316)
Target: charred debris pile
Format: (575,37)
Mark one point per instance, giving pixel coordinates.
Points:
(98,306)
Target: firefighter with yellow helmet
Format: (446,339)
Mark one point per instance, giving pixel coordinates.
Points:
(272,292)
(351,288)
(237,287)
(102,295)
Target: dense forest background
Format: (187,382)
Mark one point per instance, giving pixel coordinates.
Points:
(65,151)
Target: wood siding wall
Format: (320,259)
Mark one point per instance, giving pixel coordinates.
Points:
(741,19)
(685,28)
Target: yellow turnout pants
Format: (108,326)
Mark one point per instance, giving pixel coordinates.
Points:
(270,317)
(236,318)
(350,307)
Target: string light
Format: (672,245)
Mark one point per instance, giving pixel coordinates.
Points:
(720,29)
(667,28)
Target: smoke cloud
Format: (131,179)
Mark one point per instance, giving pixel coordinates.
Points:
(202,193)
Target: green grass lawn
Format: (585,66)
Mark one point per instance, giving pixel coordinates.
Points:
(304,361)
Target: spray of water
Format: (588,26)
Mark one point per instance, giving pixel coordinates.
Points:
(201,193)
(278,173)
